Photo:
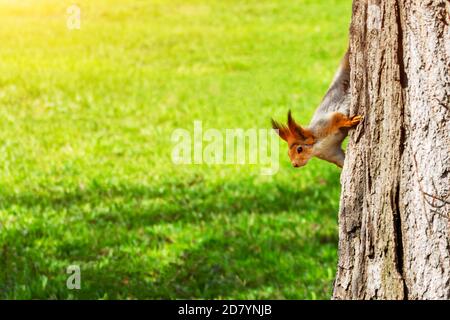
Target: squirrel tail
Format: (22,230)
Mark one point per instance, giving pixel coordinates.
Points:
(337,98)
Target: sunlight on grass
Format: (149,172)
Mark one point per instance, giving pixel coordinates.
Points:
(86,175)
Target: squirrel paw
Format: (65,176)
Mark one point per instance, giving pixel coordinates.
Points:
(356,119)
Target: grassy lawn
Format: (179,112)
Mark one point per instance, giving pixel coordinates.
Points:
(86,176)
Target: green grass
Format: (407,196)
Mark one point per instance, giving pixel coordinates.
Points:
(86,175)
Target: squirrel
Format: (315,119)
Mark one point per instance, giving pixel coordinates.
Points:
(328,128)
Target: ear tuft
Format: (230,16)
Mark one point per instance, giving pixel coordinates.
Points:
(291,122)
(295,128)
(281,129)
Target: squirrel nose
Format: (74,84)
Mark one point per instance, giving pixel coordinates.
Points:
(295,165)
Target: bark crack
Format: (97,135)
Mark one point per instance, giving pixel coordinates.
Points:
(399,250)
(400,53)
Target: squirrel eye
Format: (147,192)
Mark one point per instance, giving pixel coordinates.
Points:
(299,149)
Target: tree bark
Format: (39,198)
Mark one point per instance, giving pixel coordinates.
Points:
(394,224)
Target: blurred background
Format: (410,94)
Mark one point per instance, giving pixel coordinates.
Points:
(86,175)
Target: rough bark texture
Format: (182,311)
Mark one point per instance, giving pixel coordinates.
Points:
(394,227)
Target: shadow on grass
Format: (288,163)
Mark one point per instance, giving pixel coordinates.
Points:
(188,201)
(227,259)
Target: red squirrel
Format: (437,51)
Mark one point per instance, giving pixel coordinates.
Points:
(329,125)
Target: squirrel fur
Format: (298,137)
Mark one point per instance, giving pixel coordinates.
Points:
(329,125)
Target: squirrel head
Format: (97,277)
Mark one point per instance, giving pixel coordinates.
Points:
(300,140)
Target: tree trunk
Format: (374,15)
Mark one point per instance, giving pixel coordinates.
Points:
(394,227)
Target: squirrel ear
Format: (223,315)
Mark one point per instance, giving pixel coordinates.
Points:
(294,128)
(282,130)
(291,122)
